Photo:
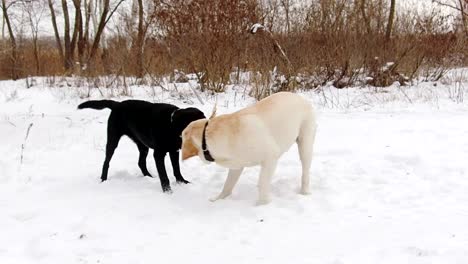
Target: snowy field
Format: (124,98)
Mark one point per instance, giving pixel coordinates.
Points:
(389,185)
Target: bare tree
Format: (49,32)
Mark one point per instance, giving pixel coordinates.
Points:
(68,63)
(35,11)
(80,31)
(143,21)
(270,10)
(365,17)
(3,26)
(286,7)
(104,18)
(58,41)
(138,44)
(82,28)
(464,14)
(459,5)
(391,19)
(14,49)
(77,39)
(67,49)
(78,26)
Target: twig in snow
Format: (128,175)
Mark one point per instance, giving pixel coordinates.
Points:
(196,94)
(7,119)
(405,94)
(24,143)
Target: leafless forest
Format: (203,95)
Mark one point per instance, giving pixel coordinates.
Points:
(302,44)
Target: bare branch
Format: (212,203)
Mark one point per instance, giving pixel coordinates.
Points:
(113,11)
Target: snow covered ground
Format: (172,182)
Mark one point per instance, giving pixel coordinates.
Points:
(389,185)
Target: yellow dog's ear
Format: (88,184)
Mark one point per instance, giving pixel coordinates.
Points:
(188,148)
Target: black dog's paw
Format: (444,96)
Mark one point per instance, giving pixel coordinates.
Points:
(103,180)
(148,175)
(167,189)
(182,181)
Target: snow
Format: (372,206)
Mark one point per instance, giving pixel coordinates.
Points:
(389,185)
(256,27)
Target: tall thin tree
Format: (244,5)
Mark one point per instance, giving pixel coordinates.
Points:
(14,48)
(391,20)
(58,41)
(68,44)
(105,16)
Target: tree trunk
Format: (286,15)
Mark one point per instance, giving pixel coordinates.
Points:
(6,17)
(3,27)
(36,56)
(391,18)
(35,45)
(140,41)
(68,63)
(56,33)
(464,14)
(14,51)
(88,12)
(365,18)
(78,27)
(286,5)
(462,6)
(78,35)
(105,16)
(100,29)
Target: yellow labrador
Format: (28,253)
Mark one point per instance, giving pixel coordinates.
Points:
(256,135)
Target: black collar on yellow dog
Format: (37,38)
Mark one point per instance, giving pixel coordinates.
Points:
(206,152)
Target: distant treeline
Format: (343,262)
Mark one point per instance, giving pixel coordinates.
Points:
(323,41)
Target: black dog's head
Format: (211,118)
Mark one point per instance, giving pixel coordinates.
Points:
(183,117)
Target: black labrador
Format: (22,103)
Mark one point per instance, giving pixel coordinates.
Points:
(150,125)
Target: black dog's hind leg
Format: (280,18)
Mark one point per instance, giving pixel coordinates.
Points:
(113,138)
(142,158)
(159,159)
(176,168)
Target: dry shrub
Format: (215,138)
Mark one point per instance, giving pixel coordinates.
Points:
(206,37)
(337,42)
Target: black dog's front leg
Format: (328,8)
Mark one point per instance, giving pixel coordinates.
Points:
(159,159)
(176,168)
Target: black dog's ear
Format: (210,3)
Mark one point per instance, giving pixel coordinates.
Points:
(193,113)
(183,117)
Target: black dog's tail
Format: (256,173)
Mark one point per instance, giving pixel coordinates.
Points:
(99,104)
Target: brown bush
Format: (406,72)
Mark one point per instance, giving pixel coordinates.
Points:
(338,42)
